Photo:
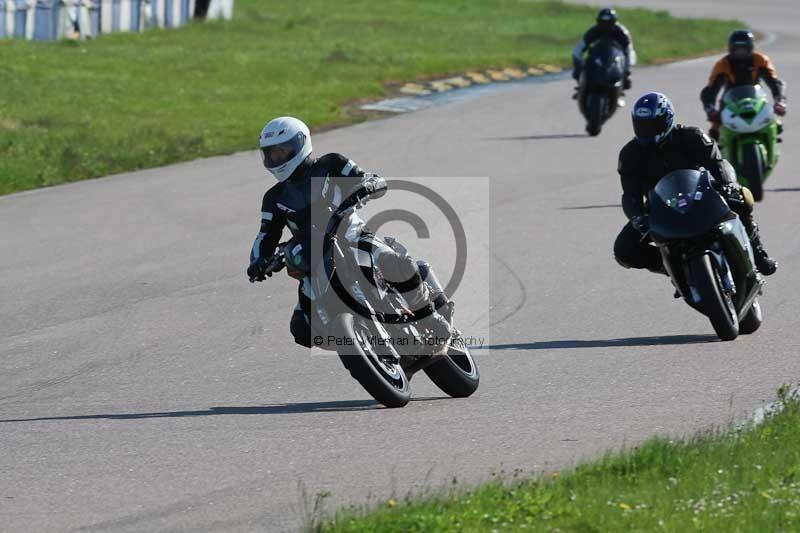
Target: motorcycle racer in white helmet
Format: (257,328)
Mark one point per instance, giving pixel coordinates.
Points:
(306,183)
(285,143)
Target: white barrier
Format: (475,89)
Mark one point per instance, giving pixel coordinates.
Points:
(17,17)
(78,19)
(45,20)
(220,9)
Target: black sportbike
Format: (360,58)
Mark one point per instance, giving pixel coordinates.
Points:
(600,85)
(368,322)
(706,251)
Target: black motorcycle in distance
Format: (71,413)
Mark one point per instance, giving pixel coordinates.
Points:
(706,251)
(600,84)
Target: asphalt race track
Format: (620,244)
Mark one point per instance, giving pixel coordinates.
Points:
(145,385)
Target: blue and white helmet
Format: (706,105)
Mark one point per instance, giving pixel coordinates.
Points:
(653,118)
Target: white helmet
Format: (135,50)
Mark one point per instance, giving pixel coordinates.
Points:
(285,143)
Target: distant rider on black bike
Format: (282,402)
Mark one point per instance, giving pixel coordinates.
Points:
(607,27)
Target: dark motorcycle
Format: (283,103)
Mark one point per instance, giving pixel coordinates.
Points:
(706,251)
(600,84)
(368,322)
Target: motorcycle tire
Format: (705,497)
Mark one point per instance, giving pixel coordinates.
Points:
(752,320)
(381,377)
(456,374)
(753,168)
(595,105)
(716,305)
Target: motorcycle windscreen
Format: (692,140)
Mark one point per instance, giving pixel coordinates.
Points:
(605,64)
(684,205)
(736,94)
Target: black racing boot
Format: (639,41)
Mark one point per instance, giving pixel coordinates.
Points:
(434,327)
(764,263)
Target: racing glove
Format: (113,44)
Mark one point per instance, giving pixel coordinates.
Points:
(372,186)
(780,107)
(712,115)
(735,197)
(626,82)
(641,223)
(577,67)
(258,269)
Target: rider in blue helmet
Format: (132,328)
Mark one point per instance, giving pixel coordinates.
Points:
(653,119)
(659,147)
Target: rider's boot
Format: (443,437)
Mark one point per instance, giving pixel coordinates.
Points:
(421,290)
(764,263)
(440,319)
(713,132)
(437,325)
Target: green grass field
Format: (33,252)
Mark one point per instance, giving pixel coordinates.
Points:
(746,480)
(71,111)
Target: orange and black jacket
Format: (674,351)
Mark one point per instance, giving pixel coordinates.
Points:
(732,73)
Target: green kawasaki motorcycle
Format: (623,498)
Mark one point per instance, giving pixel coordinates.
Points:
(749,136)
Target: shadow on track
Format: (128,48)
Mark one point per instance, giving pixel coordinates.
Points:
(606,343)
(278,409)
(542,137)
(601,206)
(783,189)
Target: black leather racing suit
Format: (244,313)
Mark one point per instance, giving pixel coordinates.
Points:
(640,169)
(302,200)
(617,33)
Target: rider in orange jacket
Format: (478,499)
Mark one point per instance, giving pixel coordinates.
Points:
(742,66)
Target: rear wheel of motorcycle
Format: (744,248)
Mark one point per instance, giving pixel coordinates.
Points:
(752,320)
(715,303)
(374,366)
(595,104)
(456,374)
(753,167)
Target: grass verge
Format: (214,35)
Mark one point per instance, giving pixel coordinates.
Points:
(740,480)
(71,111)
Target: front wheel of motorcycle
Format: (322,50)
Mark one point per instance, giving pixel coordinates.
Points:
(456,373)
(375,365)
(595,106)
(753,167)
(714,301)
(752,320)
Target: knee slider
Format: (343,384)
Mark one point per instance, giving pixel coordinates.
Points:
(623,263)
(300,329)
(749,201)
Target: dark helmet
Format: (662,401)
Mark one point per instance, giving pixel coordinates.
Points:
(607,16)
(741,44)
(653,118)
